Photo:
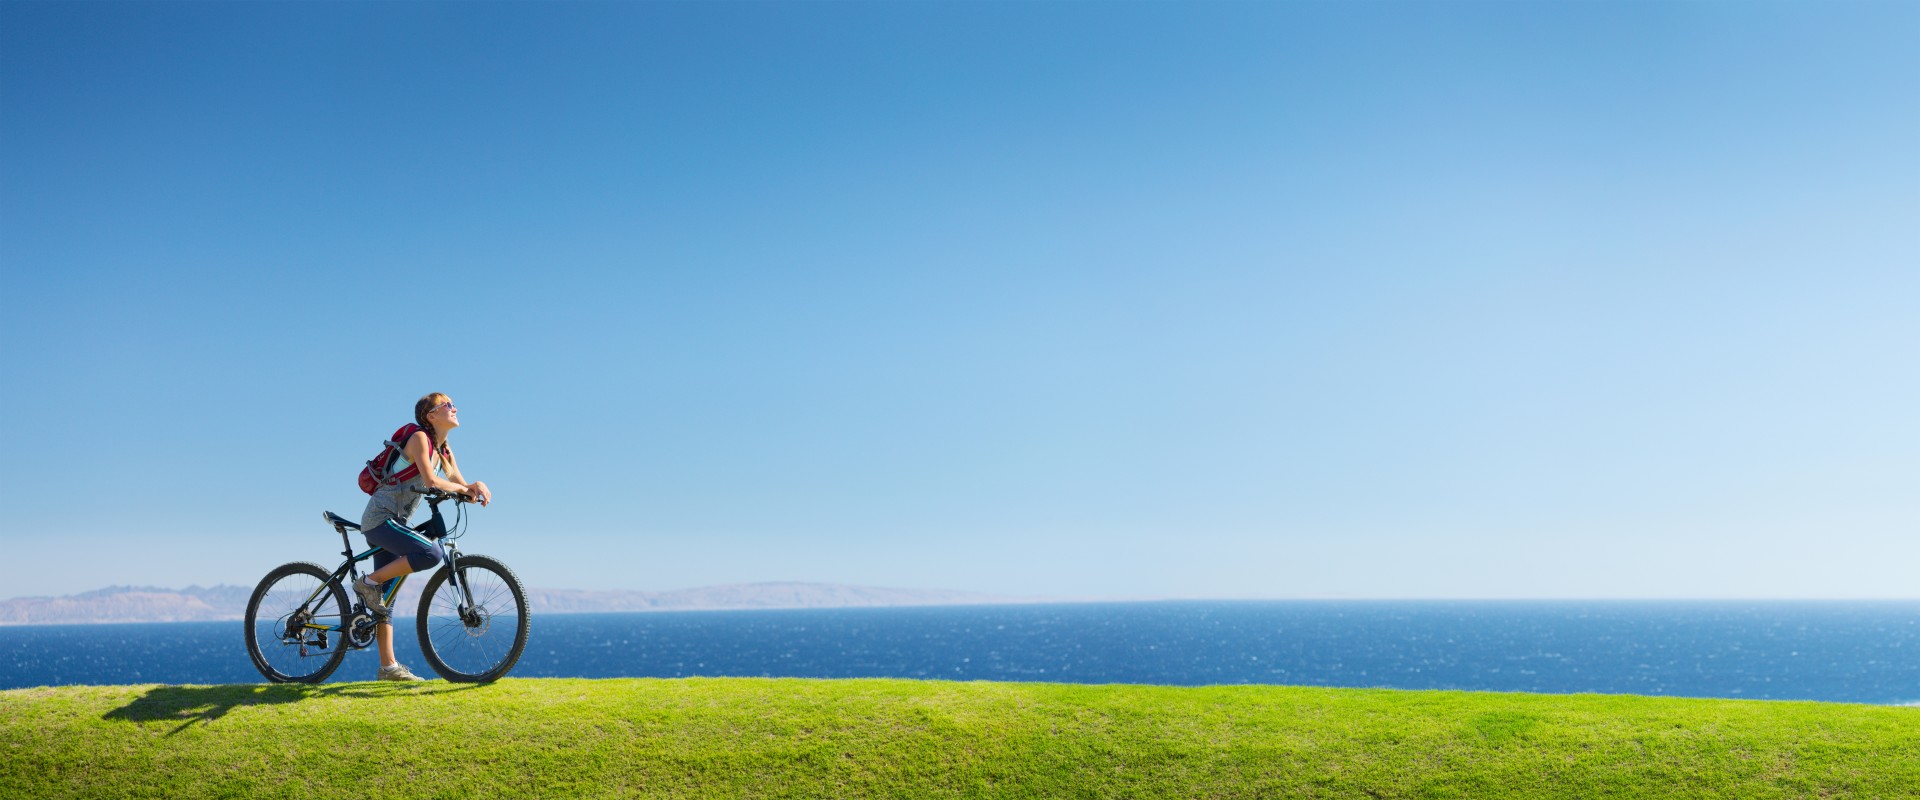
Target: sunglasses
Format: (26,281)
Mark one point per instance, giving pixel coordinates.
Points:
(446,405)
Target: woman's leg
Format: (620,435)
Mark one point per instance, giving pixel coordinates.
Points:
(383,632)
(406,553)
(393,569)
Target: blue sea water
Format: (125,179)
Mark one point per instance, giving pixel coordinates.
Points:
(1833,651)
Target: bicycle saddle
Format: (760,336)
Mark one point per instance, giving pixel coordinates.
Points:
(338,521)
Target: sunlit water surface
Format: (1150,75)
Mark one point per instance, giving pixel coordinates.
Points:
(1835,651)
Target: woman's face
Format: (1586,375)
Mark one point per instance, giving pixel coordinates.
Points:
(445,417)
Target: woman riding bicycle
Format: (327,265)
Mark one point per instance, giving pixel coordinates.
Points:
(385,520)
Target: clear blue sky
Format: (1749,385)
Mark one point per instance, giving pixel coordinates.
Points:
(1085,299)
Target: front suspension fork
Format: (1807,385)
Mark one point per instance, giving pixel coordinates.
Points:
(459,583)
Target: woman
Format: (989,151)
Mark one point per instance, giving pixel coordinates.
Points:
(385,520)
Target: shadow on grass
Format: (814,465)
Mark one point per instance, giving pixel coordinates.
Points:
(190,704)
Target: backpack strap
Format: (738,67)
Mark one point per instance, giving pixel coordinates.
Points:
(396,448)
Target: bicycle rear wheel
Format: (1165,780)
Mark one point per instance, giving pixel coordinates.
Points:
(473,643)
(297,624)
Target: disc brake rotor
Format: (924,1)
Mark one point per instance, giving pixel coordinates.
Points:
(476,620)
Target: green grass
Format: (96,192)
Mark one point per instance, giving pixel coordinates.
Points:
(928,739)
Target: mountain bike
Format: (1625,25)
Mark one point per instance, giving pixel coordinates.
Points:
(472,619)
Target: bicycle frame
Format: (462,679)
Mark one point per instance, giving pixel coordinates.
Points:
(473,614)
(349,571)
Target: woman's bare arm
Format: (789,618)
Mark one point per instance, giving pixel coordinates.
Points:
(476,489)
(420,453)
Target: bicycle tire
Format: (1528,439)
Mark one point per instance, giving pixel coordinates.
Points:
(280,594)
(471,649)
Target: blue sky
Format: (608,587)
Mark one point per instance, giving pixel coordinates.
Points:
(1076,299)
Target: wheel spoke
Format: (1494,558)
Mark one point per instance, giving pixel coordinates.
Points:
(492,641)
(287,653)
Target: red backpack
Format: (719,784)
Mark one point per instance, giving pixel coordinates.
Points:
(374,475)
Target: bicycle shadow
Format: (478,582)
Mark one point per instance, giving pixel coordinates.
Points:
(204,704)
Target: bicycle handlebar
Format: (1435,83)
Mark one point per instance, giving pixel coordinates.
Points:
(433,494)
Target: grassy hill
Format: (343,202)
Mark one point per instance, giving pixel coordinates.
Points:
(925,739)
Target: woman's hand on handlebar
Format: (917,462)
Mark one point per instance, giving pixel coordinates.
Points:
(465,495)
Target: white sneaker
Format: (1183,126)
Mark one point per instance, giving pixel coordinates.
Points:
(397,672)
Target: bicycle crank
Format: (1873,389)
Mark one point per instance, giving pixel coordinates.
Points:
(360,631)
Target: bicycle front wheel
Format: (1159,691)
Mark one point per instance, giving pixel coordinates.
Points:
(473,626)
(297,624)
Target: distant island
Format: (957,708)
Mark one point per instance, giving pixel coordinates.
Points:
(214,603)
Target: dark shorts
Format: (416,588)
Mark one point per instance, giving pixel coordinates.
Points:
(398,542)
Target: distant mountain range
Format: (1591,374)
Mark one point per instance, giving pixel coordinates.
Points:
(196,603)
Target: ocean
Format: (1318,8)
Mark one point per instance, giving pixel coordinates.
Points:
(1860,652)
